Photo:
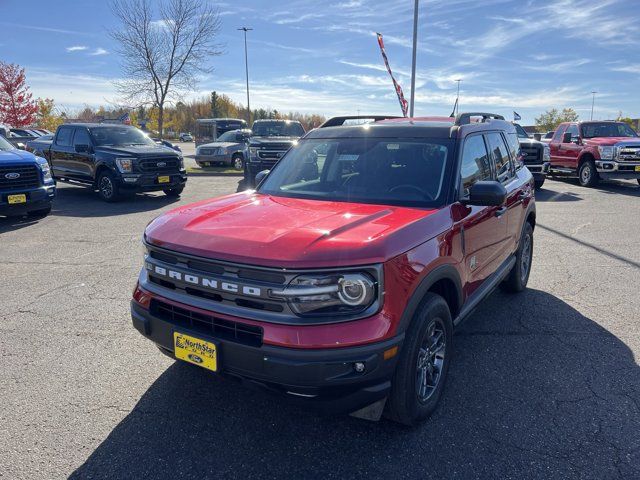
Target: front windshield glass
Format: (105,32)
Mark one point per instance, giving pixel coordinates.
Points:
(520,131)
(116,135)
(228,136)
(278,129)
(607,129)
(409,172)
(5,145)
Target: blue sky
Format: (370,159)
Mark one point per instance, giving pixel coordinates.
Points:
(322,56)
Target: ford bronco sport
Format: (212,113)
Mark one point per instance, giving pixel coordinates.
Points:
(339,280)
(596,150)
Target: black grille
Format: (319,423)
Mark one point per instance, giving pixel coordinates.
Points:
(209,325)
(160,165)
(208,151)
(29,177)
(531,154)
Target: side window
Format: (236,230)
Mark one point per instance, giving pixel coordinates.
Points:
(557,137)
(81,137)
(475,163)
(64,136)
(573,130)
(498,149)
(514,149)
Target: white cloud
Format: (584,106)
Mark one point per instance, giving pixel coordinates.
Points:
(99,51)
(76,48)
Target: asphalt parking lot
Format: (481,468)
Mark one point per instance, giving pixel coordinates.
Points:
(545,384)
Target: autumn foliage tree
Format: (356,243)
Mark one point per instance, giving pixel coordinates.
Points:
(17,107)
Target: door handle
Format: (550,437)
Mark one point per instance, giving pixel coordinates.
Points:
(501,211)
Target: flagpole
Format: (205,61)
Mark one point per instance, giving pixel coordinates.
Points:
(458,96)
(413,65)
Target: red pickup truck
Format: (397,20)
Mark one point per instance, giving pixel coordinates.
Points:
(595,150)
(339,280)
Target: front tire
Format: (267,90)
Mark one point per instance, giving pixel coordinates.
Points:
(587,174)
(539,183)
(423,364)
(173,192)
(108,188)
(238,162)
(518,277)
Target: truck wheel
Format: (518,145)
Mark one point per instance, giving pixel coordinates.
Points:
(518,277)
(173,192)
(539,183)
(423,364)
(238,162)
(108,188)
(587,174)
(43,212)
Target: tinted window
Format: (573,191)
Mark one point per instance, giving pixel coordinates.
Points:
(63,137)
(81,137)
(364,170)
(557,137)
(278,129)
(607,129)
(475,163)
(521,131)
(514,146)
(500,156)
(573,130)
(115,135)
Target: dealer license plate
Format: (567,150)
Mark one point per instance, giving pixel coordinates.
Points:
(196,351)
(165,179)
(13,199)
(637,168)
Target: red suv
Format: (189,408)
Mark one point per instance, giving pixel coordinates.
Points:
(339,280)
(596,150)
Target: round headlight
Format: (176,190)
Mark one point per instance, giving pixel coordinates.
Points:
(355,290)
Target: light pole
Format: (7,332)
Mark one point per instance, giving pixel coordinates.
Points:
(246,67)
(413,64)
(593,102)
(458,96)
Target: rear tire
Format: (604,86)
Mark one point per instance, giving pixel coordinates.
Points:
(518,277)
(108,188)
(587,174)
(539,184)
(422,368)
(173,192)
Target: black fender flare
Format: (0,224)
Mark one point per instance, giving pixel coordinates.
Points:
(441,272)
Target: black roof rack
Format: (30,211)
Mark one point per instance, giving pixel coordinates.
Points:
(465,118)
(338,121)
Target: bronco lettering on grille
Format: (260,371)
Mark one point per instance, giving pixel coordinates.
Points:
(211,283)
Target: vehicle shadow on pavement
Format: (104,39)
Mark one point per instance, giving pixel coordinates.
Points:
(8,224)
(73,201)
(536,390)
(545,195)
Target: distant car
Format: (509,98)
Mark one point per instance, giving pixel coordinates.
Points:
(167,143)
(186,137)
(39,144)
(229,149)
(42,131)
(23,132)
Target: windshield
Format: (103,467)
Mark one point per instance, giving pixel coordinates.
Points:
(520,131)
(5,145)
(116,135)
(407,172)
(228,136)
(278,129)
(607,129)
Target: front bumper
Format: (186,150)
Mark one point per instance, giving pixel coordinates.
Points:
(37,199)
(204,160)
(610,169)
(539,170)
(148,182)
(324,379)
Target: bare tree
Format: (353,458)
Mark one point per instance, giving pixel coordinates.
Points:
(162,58)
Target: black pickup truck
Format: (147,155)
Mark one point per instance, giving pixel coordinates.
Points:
(113,159)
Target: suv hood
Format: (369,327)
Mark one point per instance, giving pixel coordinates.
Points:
(606,141)
(14,156)
(256,229)
(139,150)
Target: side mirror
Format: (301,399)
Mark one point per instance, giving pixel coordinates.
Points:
(261,176)
(486,194)
(82,148)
